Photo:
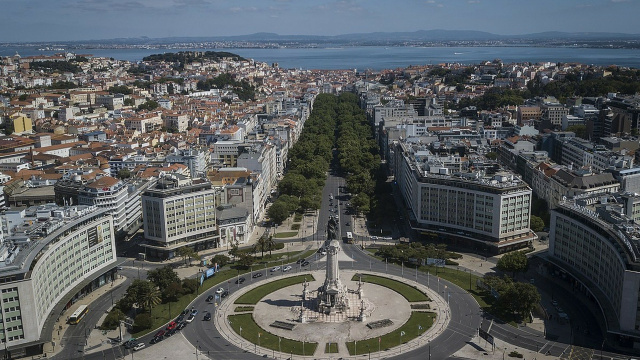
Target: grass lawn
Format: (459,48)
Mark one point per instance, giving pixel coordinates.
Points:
(252,297)
(161,315)
(243,308)
(418,323)
(331,348)
(409,292)
(295,227)
(285,234)
(255,334)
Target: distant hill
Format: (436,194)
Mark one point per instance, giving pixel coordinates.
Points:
(437,35)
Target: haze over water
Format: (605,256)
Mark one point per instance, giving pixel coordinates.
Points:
(377,58)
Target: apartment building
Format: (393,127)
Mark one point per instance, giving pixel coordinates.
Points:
(178,211)
(121,199)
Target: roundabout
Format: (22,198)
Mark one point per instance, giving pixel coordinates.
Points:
(351,313)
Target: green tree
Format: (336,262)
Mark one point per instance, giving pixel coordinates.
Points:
(362,203)
(120,89)
(112,320)
(278,212)
(513,262)
(189,286)
(235,249)
(536,223)
(579,130)
(150,296)
(262,245)
(142,322)
(221,260)
(149,105)
(124,174)
(129,102)
(246,260)
(492,155)
(187,253)
(163,276)
(172,292)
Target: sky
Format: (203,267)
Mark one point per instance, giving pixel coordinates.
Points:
(66,20)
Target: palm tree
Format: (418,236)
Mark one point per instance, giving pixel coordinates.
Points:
(150,297)
(271,244)
(262,244)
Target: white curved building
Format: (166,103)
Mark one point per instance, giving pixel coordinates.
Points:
(52,257)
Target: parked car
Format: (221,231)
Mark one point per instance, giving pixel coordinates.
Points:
(160,333)
(257,275)
(286,268)
(138,346)
(130,343)
(181,325)
(194,312)
(185,312)
(190,318)
(172,325)
(277,268)
(155,340)
(207,316)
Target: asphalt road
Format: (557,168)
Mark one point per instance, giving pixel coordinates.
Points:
(466,316)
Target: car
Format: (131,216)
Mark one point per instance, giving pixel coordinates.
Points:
(532,281)
(286,268)
(224,294)
(138,346)
(320,250)
(171,332)
(209,298)
(172,325)
(207,316)
(348,224)
(160,333)
(554,303)
(219,291)
(118,267)
(185,312)
(277,268)
(257,275)
(130,343)
(324,252)
(181,325)
(305,263)
(155,340)
(299,261)
(240,280)
(190,318)
(194,312)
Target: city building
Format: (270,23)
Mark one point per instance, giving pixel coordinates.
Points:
(491,213)
(594,243)
(178,211)
(51,257)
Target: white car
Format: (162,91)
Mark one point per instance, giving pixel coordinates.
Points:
(190,318)
(139,346)
(219,291)
(286,268)
(277,268)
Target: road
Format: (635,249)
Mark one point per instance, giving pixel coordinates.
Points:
(466,315)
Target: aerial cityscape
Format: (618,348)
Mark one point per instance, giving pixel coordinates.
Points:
(323,180)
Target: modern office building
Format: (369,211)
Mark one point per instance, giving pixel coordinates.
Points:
(178,211)
(595,242)
(51,256)
(468,208)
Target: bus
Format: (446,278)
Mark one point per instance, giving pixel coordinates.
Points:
(78,314)
(349,237)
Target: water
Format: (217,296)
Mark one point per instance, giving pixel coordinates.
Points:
(377,58)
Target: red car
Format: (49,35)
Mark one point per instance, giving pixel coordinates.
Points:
(160,334)
(172,325)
